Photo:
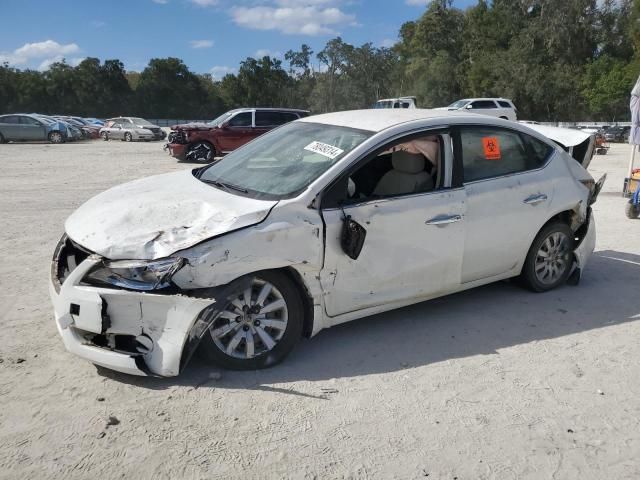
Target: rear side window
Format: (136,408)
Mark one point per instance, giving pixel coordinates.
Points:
(540,151)
(504,104)
(484,104)
(241,120)
(273,119)
(11,119)
(491,152)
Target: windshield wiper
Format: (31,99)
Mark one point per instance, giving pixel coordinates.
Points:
(226,186)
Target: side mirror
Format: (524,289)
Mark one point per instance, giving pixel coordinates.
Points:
(224,125)
(352,237)
(469,107)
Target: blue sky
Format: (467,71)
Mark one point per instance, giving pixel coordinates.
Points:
(209,35)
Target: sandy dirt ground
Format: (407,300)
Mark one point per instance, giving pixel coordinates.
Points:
(495,383)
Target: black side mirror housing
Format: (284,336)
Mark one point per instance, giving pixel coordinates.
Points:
(352,237)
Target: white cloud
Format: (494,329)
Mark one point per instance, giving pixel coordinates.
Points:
(201,43)
(98,24)
(265,52)
(388,42)
(47,50)
(74,62)
(220,71)
(205,3)
(309,17)
(416,3)
(160,2)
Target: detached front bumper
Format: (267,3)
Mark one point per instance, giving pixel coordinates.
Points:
(130,332)
(177,150)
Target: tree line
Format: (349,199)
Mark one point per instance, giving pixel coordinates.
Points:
(558,61)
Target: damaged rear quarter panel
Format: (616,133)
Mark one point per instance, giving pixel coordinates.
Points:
(292,236)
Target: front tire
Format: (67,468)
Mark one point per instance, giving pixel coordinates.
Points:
(56,137)
(549,261)
(105,136)
(201,152)
(260,326)
(632,211)
(128,137)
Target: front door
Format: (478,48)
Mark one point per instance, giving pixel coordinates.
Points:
(32,129)
(414,236)
(508,194)
(236,132)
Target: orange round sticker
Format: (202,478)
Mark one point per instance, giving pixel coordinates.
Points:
(491,147)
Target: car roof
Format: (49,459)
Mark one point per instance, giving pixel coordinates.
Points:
(376,120)
(267,109)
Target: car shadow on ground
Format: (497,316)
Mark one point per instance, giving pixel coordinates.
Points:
(476,322)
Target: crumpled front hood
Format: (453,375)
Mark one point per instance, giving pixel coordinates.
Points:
(156,216)
(193,126)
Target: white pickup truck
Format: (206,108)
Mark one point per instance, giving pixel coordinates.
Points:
(401,102)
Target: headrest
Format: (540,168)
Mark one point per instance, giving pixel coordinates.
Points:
(407,162)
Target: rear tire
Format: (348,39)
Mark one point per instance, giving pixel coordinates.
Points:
(242,339)
(56,137)
(550,258)
(632,211)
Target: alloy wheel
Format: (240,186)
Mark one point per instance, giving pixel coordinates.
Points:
(200,152)
(552,258)
(253,323)
(55,137)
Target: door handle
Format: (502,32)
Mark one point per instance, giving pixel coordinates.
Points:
(444,220)
(535,199)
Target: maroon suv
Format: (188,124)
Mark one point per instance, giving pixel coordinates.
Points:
(201,142)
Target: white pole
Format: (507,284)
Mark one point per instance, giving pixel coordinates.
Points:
(632,160)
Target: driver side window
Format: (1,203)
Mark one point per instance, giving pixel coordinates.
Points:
(405,167)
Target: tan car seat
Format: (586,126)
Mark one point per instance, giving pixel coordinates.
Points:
(408,175)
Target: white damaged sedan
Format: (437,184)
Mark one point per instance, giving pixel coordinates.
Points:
(321,221)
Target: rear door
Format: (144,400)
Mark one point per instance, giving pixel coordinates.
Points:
(508,195)
(10,127)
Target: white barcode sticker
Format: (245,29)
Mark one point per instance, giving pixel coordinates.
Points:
(328,151)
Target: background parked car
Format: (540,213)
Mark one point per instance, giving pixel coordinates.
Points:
(130,129)
(201,142)
(25,127)
(496,107)
(617,134)
(401,102)
(88,130)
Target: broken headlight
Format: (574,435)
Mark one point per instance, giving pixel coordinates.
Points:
(134,274)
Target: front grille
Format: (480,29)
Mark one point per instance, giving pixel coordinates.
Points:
(155,130)
(67,257)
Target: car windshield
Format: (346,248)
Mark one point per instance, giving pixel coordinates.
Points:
(46,119)
(383,104)
(141,121)
(458,104)
(220,119)
(284,161)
